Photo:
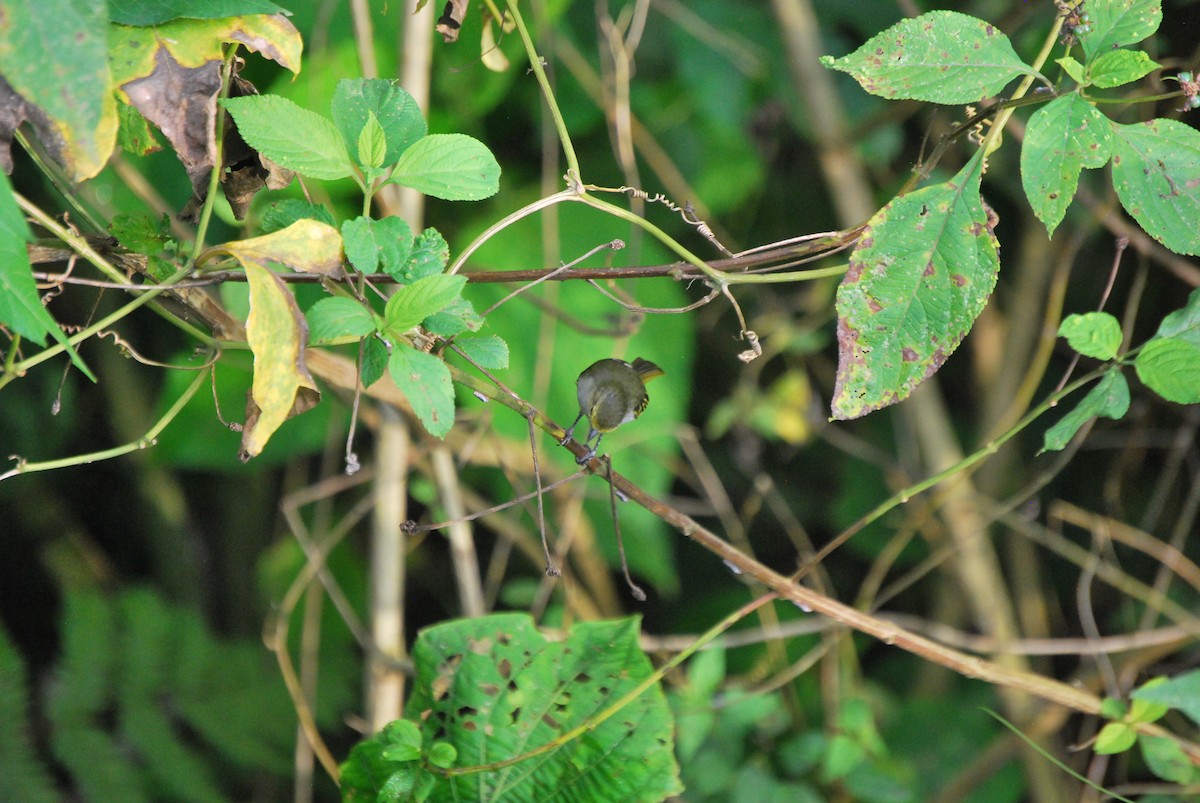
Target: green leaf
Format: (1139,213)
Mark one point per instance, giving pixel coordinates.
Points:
(1166,759)
(457,317)
(401,741)
(1115,737)
(375,360)
(22,776)
(54,55)
(152,12)
(1112,708)
(500,669)
(1181,692)
(1171,368)
(413,303)
(1119,67)
(442,754)
(1120,23)
(1109,398)
(376,767)
(429,256)
(293,137)
(372,143)
(920,275)
(134,133)
(844,755)
(141,233)
(488,351)
(425,382)
(337,318)
(1147,710)
(281,214)
(1169,363)
(1156,172)
(1072,68)
(374,244)
(20,306)
(396,113)
(1092,334)
(453,167)
(1063,137)
(939,57)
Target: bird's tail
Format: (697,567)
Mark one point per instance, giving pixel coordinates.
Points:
(646,369)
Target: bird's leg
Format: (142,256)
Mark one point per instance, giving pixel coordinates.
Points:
(591,450)
(571,430)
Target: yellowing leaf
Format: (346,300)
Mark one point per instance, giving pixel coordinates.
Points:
(307,245)
(135,52)
(171,73)
(56,77)
(276,331)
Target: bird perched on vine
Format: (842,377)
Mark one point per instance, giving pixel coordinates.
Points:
(611,392)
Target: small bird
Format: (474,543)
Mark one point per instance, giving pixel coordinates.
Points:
(611,392)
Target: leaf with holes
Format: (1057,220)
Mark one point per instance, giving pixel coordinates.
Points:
(474,674)
(939,57)
(920,275)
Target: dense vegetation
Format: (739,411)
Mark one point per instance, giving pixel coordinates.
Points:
(912,508)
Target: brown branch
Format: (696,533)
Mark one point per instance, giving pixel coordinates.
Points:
(889,632)
(785,254)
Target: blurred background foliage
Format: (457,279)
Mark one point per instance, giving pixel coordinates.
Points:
(185,539)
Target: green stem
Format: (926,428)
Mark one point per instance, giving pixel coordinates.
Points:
(992,141)
(98,326)
(61,183)
(143,442)
(509,219)
(790,276)
(719,278)
(82,247)
(535,63)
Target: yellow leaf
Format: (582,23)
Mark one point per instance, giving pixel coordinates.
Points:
(277,333)
(134,51)
(490,53)
(309,246)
